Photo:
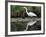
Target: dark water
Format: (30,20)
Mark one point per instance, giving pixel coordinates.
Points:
(21,26)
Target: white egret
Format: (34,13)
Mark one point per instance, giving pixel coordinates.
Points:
(31,14)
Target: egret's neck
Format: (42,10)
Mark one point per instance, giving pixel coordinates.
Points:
(26,10)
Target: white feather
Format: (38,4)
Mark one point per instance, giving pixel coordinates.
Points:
(31,14)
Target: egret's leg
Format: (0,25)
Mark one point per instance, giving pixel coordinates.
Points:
(26,28)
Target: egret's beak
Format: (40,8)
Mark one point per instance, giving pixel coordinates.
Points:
(23,7)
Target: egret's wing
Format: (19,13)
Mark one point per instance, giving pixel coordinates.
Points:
(32,14)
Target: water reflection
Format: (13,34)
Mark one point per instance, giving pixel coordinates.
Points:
(26,25)
(31,23)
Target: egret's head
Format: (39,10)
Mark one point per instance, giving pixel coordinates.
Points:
(25,7)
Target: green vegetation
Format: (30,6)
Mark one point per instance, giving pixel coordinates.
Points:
(17,11)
